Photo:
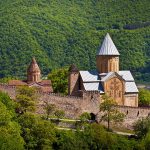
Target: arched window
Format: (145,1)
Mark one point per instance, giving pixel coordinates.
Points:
(34,78)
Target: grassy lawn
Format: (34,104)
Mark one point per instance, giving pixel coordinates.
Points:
(122,129)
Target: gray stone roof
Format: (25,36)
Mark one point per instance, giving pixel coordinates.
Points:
(89,76)
(92,82)
(130,87)
(93,86)
(126,75)
(108,47)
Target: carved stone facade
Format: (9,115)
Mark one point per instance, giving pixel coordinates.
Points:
(114,87)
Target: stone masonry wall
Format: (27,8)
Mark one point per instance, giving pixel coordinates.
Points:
(8,89)
(133,114)
(75,106)
(131,100)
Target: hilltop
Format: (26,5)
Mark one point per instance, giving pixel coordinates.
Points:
(59,33)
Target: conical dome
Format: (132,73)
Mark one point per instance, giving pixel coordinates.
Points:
(108,47)
(107,59)
(33,67)
(33,72)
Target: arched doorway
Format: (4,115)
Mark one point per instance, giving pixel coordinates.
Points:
(93,116)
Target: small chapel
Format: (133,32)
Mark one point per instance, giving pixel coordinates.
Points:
(33,79)
(107,78)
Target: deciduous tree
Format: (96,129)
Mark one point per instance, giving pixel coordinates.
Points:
(110,112)
(26,99)
(142,127)
(59,78)
(49,108)
(144,97)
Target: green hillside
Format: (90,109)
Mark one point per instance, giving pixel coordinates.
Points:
(62,32)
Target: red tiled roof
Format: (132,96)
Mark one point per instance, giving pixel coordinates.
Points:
(44,85)
(16,83)
(44,82)
(34,84)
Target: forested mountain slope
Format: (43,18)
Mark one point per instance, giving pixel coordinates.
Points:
(62,32)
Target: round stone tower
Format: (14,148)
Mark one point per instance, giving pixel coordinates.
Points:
(107,59)
(33,72)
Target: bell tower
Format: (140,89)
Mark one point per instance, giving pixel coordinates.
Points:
(33,72)
(73,80)
(107,59)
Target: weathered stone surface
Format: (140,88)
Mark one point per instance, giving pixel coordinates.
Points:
(107,64)
(75,106)
(131,100)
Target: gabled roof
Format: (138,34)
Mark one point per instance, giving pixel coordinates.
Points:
(45,82)
(108,47)
(41,83)
(89,76)
(130,87)
(110,75)
(92,82)
(33,84)
(126,75)
(96,86)
(16,83)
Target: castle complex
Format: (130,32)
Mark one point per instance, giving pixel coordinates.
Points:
(107,78)
(85,88)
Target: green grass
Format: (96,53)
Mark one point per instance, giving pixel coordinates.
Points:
(122,129)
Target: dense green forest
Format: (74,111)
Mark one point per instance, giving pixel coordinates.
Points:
(62,32)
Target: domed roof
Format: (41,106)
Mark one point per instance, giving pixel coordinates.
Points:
(33,67)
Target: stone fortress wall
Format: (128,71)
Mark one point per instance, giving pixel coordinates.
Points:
(75,106)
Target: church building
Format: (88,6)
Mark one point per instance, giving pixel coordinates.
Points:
(107,78)
(34,79)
